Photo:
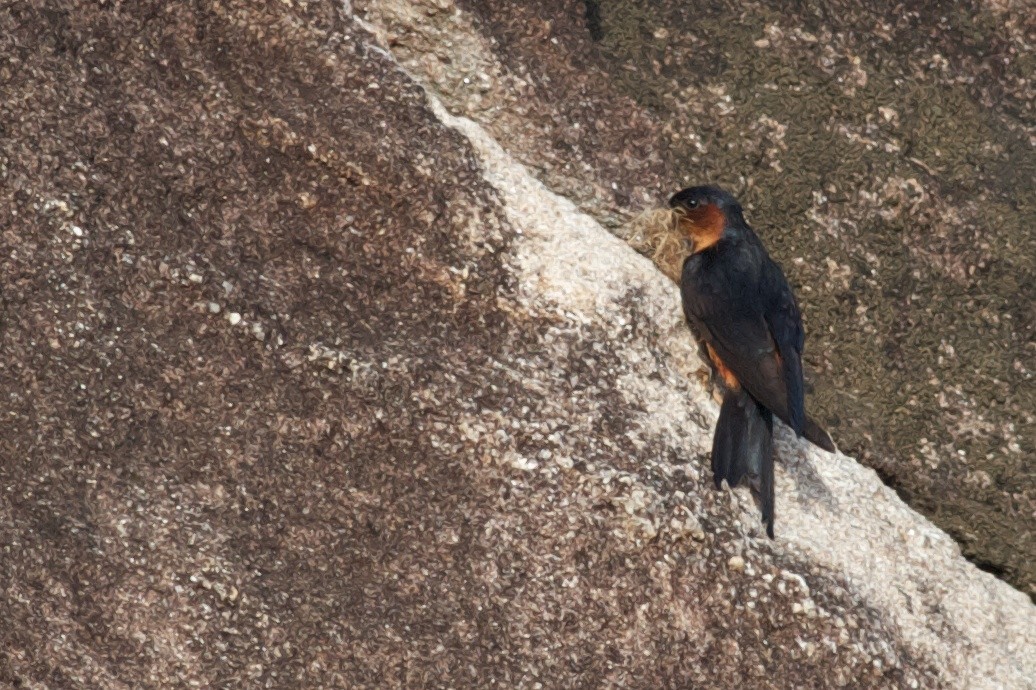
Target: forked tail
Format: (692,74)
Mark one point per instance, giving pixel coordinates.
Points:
(743,447)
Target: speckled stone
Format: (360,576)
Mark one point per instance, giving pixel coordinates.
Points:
(886,154)
(337,478)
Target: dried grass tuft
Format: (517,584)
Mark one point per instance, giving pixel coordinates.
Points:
(655,233)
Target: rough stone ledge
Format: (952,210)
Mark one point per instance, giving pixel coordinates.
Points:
(833,513)
(305,388)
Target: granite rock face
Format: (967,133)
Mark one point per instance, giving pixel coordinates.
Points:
(884,151)
(310,383)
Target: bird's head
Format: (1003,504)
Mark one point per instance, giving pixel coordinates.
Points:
(705,213)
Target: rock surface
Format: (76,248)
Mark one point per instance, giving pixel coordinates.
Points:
(885,152)
(309,383)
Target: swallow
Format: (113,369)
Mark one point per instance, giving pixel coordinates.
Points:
(744,315)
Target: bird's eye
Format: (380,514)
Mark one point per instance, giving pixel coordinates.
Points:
(693,203)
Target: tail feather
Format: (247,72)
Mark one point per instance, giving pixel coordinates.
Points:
(743,447)
(765,488)
(816,435)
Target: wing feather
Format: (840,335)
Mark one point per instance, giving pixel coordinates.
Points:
(785,324)
(745,340)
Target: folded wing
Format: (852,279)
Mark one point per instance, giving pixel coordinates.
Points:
(743,339)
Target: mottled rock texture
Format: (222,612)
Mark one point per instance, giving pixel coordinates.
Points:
(885,151)
(307,383)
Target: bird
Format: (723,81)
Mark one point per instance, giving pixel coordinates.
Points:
(740,308)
